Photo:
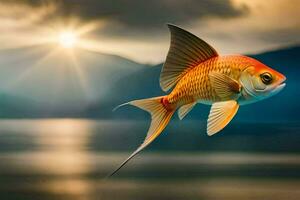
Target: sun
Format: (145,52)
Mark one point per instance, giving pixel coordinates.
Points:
(67,39)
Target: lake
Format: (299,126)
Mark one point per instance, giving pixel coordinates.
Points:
(70,158)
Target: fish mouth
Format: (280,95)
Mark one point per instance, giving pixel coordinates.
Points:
(281,84)
(278,88)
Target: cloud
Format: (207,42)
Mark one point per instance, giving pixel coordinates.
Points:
(136,28)
(21,23)
(268,25)
(137,14)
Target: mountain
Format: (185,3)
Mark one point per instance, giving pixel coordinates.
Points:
(282,107)
(59,82)
(99,82)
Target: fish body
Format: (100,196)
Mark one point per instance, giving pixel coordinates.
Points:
(196,85)
(198,74)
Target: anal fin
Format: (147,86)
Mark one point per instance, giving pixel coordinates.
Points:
(185,109)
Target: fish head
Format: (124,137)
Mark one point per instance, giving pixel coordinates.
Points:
(260,82)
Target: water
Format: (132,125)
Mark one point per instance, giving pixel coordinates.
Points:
(69,158)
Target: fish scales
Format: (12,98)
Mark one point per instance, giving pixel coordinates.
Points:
(195,84)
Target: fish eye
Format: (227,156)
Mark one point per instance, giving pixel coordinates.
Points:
(266,78)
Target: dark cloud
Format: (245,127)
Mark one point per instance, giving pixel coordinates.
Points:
(149,14)
(284,35)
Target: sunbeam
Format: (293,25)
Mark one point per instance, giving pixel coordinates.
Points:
(55,38)
(67,39)
(28,72)
(80,73)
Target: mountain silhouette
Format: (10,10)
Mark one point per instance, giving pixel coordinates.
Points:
(282,107)
(55,82)
(112,80)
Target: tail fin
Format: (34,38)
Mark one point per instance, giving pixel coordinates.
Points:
(160,117)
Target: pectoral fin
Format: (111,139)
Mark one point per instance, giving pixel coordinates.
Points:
(221,113)
(185,109)
(225,87)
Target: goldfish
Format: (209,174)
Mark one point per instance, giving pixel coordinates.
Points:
(198,74)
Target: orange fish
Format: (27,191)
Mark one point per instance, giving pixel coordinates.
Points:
(200,75)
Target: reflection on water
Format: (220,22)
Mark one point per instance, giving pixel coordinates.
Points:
(68,159)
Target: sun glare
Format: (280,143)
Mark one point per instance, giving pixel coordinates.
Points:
(67,39)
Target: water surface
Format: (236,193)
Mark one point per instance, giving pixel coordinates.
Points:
(69,158)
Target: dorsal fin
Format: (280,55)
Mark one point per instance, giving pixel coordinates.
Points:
(186,51)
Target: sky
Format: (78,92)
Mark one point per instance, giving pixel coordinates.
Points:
(137,29)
